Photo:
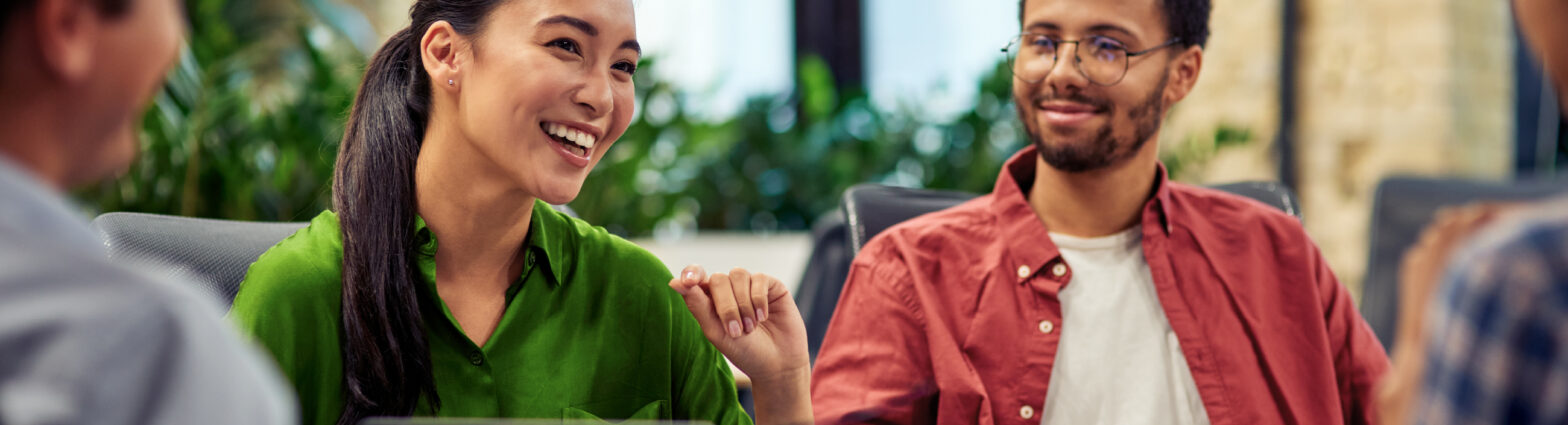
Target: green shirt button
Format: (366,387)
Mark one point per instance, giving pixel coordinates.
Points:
(476,358)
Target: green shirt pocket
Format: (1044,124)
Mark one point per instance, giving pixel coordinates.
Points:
(656,410)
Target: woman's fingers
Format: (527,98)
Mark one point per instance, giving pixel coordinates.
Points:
(693,275)
(720,290)
(732,304)
(760,285)
(701,307)
(740,285)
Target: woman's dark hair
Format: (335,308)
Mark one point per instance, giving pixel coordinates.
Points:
(386,357)
(1185,19)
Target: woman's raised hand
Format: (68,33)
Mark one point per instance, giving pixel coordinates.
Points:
(750,317)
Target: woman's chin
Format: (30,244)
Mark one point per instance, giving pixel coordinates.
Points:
(560,194)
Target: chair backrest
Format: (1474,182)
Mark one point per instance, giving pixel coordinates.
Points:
(817,294)
(1401,208)
(214,253)
(868,209)
(1273,194)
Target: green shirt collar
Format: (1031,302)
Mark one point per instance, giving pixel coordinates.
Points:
(546,229)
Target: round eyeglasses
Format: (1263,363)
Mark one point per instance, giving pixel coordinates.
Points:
(1102,60)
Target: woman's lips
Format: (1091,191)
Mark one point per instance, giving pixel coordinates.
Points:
(575,155)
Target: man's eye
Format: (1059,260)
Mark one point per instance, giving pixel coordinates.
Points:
(1106,44)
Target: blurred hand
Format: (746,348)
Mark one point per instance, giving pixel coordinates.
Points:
(1420,272)
(752,320)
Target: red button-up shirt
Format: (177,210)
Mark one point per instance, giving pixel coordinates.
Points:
(941,318)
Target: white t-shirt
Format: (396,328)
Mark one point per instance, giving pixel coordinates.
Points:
(1118,361)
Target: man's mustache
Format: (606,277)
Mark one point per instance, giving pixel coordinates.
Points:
(1075,97)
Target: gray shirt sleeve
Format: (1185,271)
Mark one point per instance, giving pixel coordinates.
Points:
(97,343)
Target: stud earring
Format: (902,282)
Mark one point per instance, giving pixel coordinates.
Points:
(450,82)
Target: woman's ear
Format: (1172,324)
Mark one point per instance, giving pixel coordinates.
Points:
(438,51)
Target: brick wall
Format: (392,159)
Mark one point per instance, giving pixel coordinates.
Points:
(1396,87)
(1384,87)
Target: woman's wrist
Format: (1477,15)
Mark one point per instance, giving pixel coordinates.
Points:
(783,397)
(788,376)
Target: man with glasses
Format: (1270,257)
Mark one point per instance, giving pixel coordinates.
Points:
(1088,288)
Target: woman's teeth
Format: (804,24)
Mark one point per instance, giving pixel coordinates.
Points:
(569,134)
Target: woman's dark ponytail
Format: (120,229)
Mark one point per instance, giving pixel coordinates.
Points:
(386,357)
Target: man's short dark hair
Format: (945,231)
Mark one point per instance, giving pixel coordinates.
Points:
(1186,19)
(9,8)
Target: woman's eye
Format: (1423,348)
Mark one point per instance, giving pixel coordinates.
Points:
(565,44)
(627,67)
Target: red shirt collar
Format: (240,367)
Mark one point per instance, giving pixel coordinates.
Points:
(1029,243)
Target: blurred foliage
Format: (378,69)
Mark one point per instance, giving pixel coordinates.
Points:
(784,160)
(1185,159)
(249,123)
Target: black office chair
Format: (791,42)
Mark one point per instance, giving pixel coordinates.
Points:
(1401,208)
(868,209)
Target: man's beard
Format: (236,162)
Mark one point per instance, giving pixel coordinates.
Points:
(1104,148)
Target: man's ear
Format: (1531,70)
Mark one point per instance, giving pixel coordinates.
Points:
(67,32)
(438,51)
(1184,75)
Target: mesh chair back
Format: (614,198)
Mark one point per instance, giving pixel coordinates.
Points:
(214,253)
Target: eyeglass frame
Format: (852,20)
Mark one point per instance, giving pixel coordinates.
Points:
(1078,60)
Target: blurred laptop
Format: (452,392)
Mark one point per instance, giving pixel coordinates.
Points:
(460,421)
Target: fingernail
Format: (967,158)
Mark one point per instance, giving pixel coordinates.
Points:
(690,276)
(762,316)
(750,325)
(734,329)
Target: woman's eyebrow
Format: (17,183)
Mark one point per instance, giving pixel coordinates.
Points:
(580,24)
(586,28)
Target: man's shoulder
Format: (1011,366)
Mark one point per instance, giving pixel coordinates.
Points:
(86,279)
(77,326)
(1245,239)
(74,293)
(1206,209)
(959,221)
(938,237)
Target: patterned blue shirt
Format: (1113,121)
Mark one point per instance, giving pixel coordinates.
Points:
(1497,350)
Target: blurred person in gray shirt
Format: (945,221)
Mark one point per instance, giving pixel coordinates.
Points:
(84,341)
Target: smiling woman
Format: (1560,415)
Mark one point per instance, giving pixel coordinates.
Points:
(518,311)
